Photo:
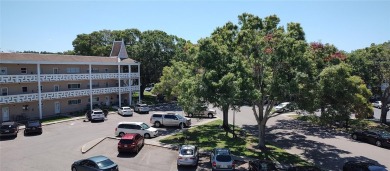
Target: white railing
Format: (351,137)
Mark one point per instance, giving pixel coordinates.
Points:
(64,77)
(63,94)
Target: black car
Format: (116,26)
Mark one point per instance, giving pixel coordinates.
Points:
(33,127)
(9,129)
(304,168)
(98,163)
(362,166)
(379,138)
(262,165)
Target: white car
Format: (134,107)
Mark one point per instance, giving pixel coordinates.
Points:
(377,104)
(142,108)
(95,114)
(135,127)
(188,155)
(125,111)
(282,107)
(221,159)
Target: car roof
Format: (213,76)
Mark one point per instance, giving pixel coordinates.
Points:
(137,123)
(129,135)
(125,107)
(188,147)
(143,104)
(98,158)
(222,150)
(97,110)
(8,123)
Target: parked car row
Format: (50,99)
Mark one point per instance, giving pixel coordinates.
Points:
(12,128)
(377,137)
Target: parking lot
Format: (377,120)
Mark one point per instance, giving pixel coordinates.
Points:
(60,145)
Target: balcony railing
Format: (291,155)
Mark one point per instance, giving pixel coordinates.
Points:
(20,98)
(64,77)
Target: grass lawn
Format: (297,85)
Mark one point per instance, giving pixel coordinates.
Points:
(54,118)
(210,135)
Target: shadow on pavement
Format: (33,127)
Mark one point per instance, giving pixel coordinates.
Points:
(291,134)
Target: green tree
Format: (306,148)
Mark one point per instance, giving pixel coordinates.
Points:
(221,70)
(373,65)
(343,94)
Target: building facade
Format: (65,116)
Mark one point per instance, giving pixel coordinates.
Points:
(44,85)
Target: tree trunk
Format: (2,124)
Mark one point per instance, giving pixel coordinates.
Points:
(225,111)
(383,114)
(261,128)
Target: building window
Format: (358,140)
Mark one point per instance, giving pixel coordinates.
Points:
(55,71)
(134,82)
(73,70)
(74,101)
(25,107)
(73,86)
(23,70)
(24,89)
(94,99)
(106,70)
(94,70)
(94,85)
(4,91)
(134,68)
(3,70)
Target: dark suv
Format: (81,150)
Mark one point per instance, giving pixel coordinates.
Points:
(9,129)
(33,127)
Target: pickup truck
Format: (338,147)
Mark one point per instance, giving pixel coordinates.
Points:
(169,119)
(204,112)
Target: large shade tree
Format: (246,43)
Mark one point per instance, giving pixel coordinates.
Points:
(373,65)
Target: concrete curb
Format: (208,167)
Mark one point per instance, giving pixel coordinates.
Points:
(88,146)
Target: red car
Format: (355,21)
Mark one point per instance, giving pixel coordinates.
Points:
(131,143)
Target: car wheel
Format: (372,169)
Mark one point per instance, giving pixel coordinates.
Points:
(74,169)
(210,115)
(25,133)
(378,143)
(354,136)
(181,125)
(147,135)
(157,124)
(136,150)
(121,134)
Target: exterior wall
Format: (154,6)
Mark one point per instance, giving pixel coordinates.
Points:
(15,69)
(48,106)
(17,109)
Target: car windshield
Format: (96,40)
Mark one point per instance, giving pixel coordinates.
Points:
(187,152)
(143,105)
(36,123)
(145,126)
(126,108)
(6,126)
(223,158)
(126,141)
(179,116)
(385,134)
(105,163)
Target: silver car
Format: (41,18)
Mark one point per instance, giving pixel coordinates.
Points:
(125,111)
(188,155)
(221,159)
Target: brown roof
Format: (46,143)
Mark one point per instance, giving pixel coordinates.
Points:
(116,47)
(53,58)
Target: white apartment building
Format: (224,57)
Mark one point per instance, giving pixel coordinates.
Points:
(44,85)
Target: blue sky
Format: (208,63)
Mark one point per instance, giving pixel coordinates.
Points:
(53,25)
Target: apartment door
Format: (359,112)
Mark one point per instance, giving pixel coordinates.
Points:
(107,101)
(56,88)
(55,71)
(5,112)
(57,108)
